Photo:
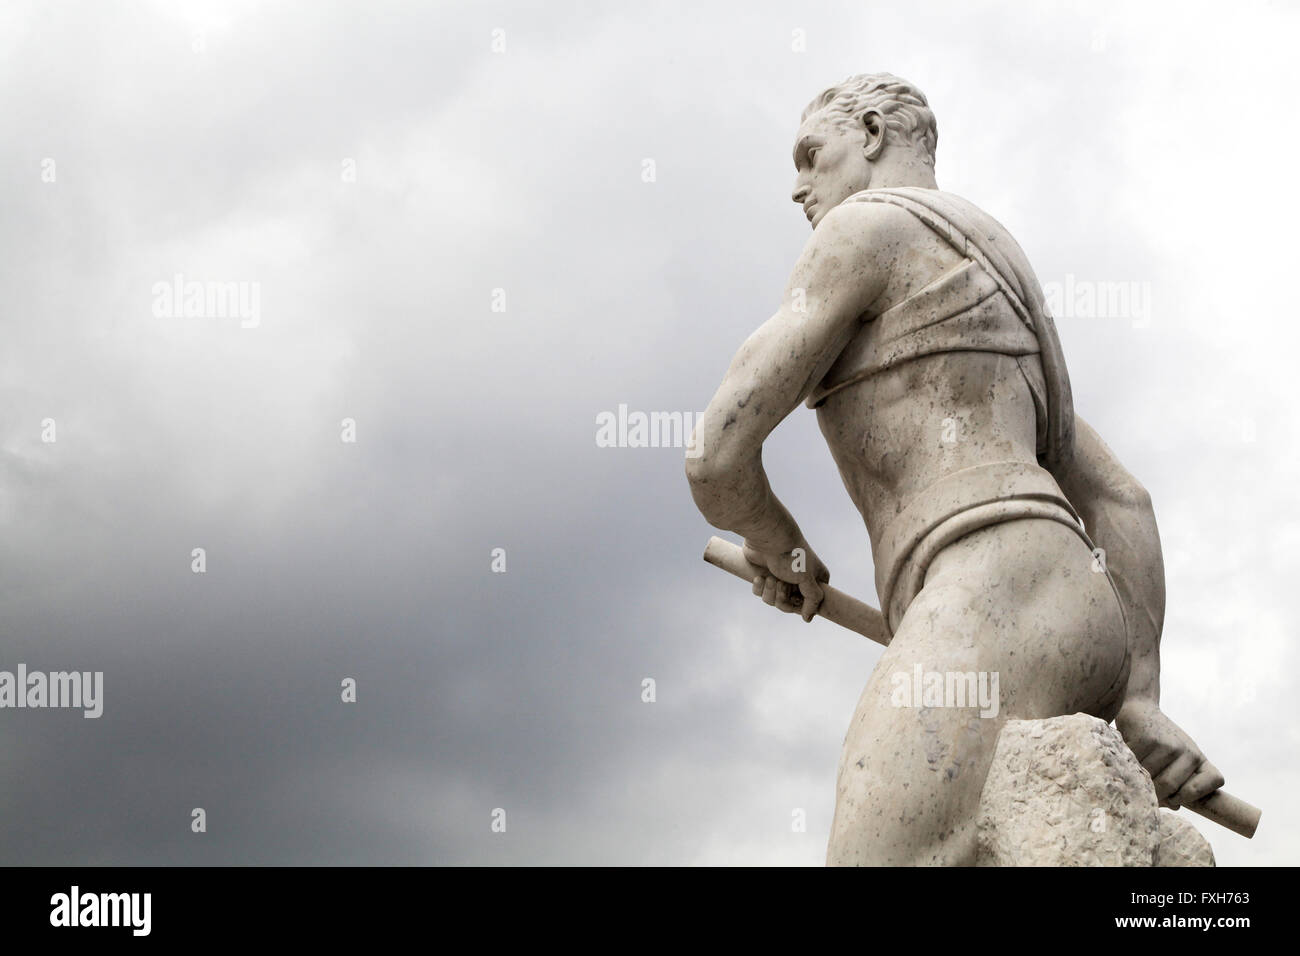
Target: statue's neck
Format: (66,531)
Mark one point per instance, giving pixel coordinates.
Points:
(906,173)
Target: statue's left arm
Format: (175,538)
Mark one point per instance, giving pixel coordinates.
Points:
(1119,518)
(834,282)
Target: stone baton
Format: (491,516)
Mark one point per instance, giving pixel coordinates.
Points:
(1228,811)
(1221,807)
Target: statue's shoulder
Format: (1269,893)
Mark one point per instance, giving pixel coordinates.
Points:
(866,217)
(926,203)
(944,212)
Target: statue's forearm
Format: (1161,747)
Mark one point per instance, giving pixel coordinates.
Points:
(739,499)
(1117,513)
(725,469)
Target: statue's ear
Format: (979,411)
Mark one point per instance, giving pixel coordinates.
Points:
(873,124)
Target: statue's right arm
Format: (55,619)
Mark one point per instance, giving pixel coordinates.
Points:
(1118,516)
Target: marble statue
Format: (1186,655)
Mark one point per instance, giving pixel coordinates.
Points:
(1008,539)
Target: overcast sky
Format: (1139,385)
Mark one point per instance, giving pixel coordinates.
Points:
(378,170)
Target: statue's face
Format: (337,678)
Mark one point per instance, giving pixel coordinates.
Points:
(831,165)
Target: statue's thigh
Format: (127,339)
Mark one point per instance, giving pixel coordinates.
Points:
(910,774)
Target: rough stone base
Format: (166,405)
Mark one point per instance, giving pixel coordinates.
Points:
(1181,844)
(1067,791)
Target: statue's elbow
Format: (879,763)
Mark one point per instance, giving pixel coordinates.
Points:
(703,476)
(711,466)
(711,478)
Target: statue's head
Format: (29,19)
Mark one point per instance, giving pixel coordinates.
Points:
(853,132)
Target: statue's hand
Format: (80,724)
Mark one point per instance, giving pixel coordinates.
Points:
(1178,769)
(793,580)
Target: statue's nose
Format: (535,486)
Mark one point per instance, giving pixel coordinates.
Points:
(800,192)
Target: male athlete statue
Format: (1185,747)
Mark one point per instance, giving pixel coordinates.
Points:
(916,328)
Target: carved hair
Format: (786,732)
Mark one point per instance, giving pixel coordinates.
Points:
(908,119)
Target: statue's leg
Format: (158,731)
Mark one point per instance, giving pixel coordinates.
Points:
(1019,600)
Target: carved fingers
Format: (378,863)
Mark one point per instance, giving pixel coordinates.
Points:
(1178,769)
(810,599)
(780,594)
(1200,784)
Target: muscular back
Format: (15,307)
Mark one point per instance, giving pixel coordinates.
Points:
(899,430)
